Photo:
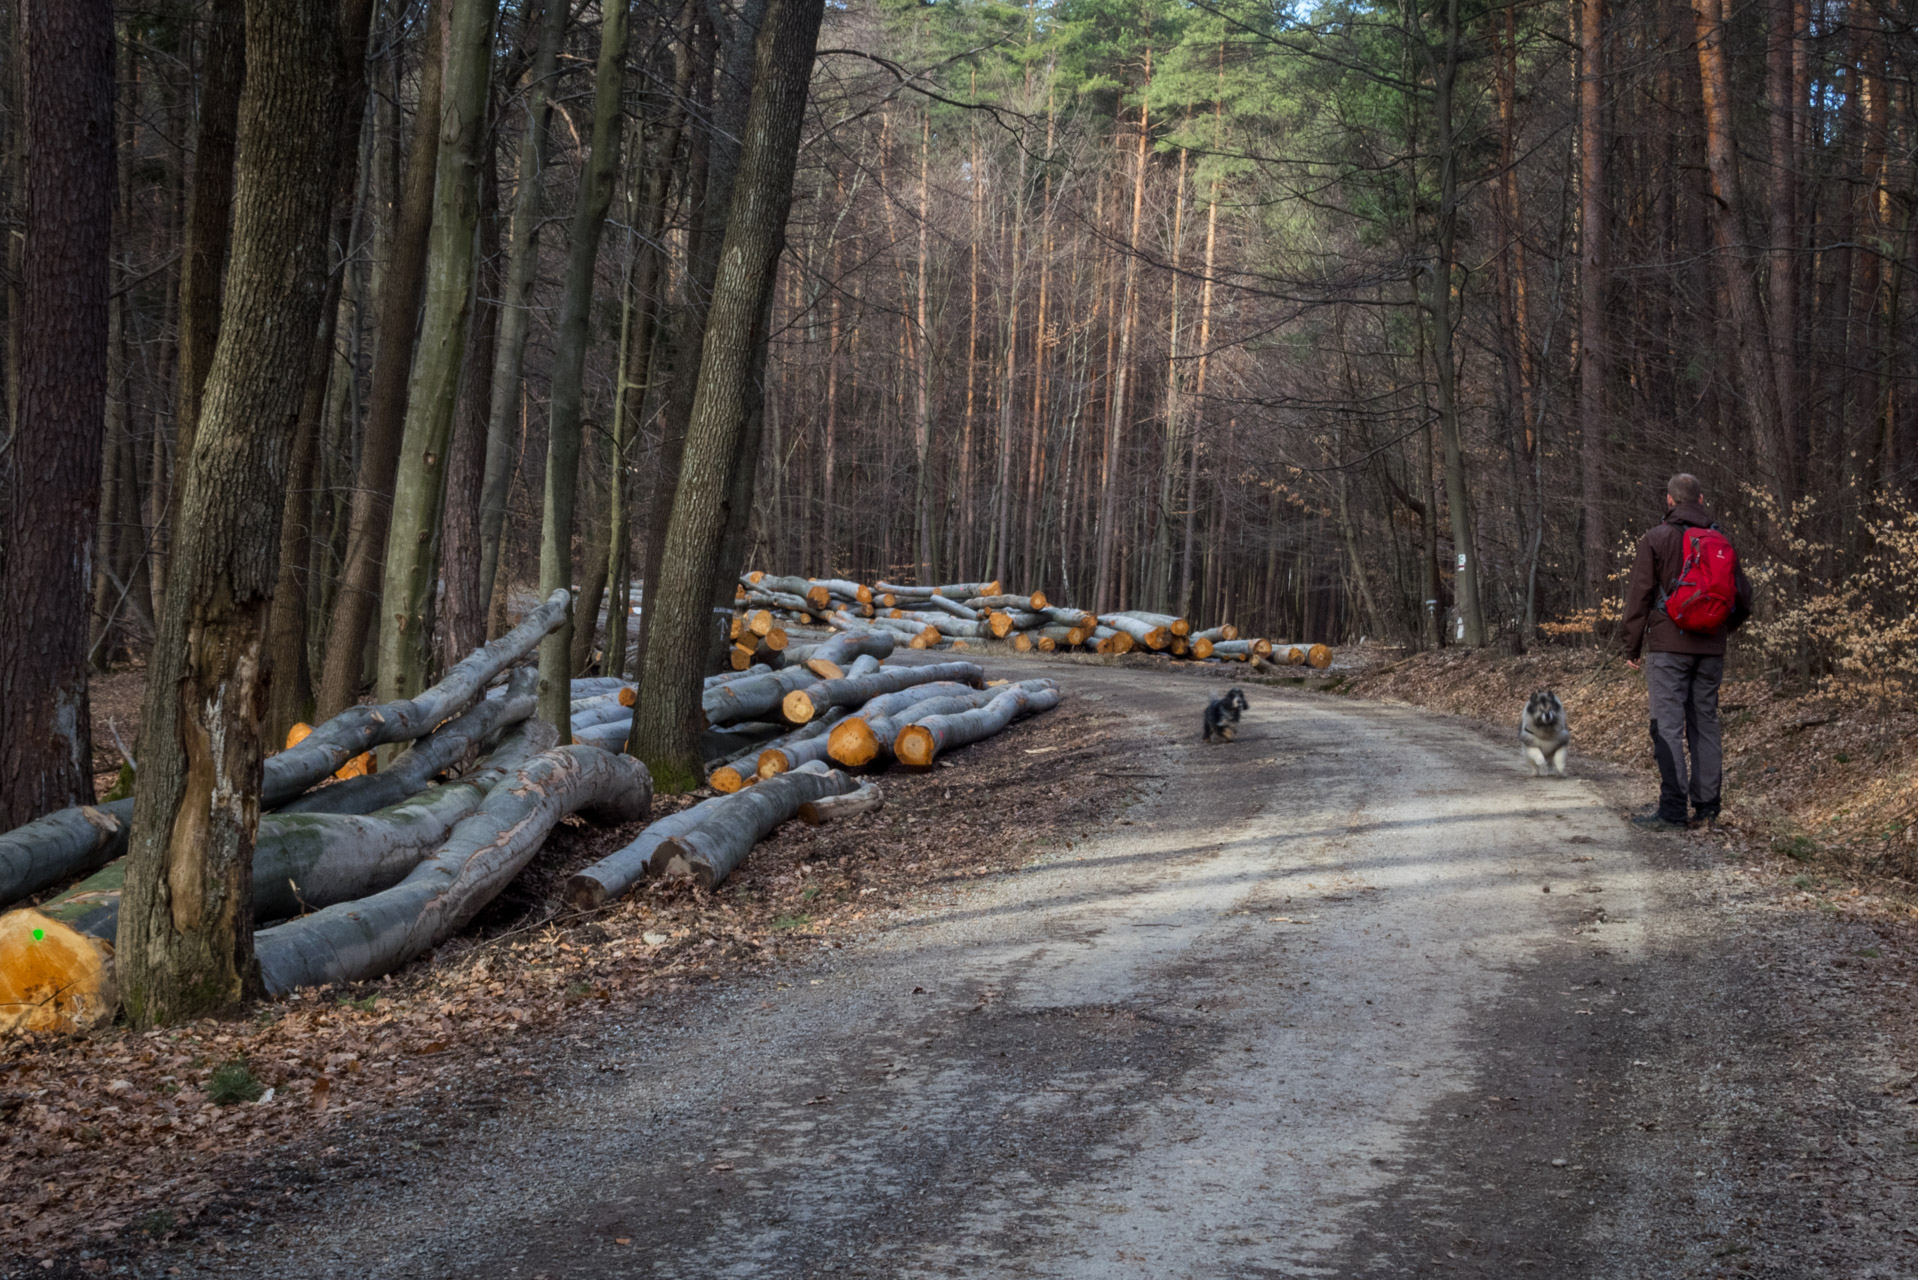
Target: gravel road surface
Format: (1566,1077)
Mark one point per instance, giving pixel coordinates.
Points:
(1350,996)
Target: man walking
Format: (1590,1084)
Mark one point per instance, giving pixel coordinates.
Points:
(1686,595)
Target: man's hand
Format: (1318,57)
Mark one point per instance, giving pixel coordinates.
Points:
(1633,664)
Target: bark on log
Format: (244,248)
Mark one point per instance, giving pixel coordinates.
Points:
(1216,634)
(377,934)
(65,843)
(753,699)
(729,826)
(361,728)
(1110,640)
(1070,617)
(865,799)
(854,591)
(74,841)
(727,677)
(814,594)
(867,735)
(1024,619)
(791,750)
(1060,634)
(1148,634)
(920,742)
(430,756)
(941,604)
(1028,604)
(1177,626)
(948,626)
(801,705)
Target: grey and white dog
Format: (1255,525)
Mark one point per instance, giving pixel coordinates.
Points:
(1222,715)
(1544,733)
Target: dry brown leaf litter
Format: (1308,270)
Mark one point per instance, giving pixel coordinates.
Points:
(1821,796)
(112,1140)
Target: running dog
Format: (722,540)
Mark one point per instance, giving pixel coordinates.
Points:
(1544,733)
(1222,715)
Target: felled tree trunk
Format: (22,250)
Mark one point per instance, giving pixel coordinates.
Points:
(817,813)
(942,604)
(55,973)
(428,757)
(854,591)
(375,935)
(1060,634)
(1146,633)
(759,697)
(801,746)
(801,705)
(728,827)
(947,626)
(920,742)
(64,844)
(1200,647)
(1216,634)
(731,772)
(358,729)
(1030,604)
(863,738)
(814,594)
(1177,626)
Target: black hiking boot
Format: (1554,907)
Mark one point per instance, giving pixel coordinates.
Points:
(1656,822)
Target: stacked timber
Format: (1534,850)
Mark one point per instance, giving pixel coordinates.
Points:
(957,615)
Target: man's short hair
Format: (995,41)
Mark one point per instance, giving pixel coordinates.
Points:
(1684,487)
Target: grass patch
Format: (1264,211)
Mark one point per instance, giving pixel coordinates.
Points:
(1797,848)
(234,1082)
(791,922)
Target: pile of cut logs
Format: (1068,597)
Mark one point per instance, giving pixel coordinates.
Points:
(953,615)
(359,869)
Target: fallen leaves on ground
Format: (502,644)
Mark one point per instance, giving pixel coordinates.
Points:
(114,1138)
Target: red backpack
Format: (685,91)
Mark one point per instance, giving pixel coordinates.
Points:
(1707,587)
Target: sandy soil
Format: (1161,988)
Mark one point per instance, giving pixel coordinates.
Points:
(1350,996)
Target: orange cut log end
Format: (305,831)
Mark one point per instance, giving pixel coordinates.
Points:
(1000,624)
(726,779)
(628,696)
(1320,657)
(1047,644)
(1022,643)
(914,746)
(852,742)
(771,763)
(760,621)
(52,977)
(298,734)
(797,707)
(818,596)
(825,668)
(775,639)
(1038,601)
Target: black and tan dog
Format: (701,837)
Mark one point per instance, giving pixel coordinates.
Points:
(1222,715)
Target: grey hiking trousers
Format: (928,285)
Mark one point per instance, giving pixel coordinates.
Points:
(1684,696)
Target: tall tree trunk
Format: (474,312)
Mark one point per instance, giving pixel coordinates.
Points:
(53,462)
(461,621)
(515,320)
(666,718)
(1782,41)
(922,382)
(185,935)
(1738,285)
(209,208)
(398,324)
(1105,589)
(569,366)
(419,486)
(1594,355)
(291,694)
(1440,286)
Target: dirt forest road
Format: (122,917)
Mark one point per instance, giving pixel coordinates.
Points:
(1351,996)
